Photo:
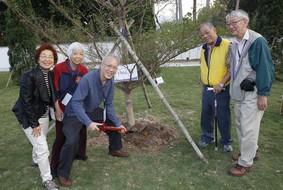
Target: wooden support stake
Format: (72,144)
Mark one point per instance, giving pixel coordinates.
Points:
(9,78)
(281,109)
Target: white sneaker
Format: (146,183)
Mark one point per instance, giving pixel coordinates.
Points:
(227,148)
(50,185)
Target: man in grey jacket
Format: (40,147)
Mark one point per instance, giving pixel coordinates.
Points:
(252,73)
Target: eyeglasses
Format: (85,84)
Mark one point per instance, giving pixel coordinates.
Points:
(109,66)
(233,23)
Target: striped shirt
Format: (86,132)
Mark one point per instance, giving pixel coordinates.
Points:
(45,76)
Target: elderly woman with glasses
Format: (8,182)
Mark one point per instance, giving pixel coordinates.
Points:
(37,95)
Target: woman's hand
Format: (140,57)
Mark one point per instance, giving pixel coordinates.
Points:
(36,132)
(59,114)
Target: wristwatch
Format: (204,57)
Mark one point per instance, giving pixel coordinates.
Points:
(222,85)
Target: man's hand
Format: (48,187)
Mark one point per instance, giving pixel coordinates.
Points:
(124,130)
(36,132)
(217,89)
(93,127)
(262,103)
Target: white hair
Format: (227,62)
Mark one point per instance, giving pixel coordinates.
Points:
(110,56)
(209,24)
(76,46)
(240,14)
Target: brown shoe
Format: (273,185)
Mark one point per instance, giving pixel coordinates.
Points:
(239,171)
(235,157)
(65,182)
(118,153)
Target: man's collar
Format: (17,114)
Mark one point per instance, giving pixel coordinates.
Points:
(218,41)
(246,37)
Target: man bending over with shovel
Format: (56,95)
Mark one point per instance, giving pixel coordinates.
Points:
(95,88)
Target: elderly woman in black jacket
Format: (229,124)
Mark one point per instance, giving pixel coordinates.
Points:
(36,96)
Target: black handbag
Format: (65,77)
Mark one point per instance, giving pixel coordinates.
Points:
(247,84)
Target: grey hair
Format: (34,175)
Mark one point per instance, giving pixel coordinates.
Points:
(75,46)
(240,14)
(209,24)
(104,60)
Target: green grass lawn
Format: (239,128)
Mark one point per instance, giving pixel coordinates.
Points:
(176,167)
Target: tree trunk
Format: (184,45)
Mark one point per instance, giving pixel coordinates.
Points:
(129,108)
(125,57)
(237,4)
(157,90)
(177,10)
(195,10)
(180,10)
(207,3)
(153,10)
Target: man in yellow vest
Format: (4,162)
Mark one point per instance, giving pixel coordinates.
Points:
(215,76)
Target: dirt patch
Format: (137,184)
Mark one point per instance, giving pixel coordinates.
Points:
(151,135)
(147,134)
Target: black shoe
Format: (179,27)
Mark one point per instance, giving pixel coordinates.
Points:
(54,173)
(33,164)
(83,158)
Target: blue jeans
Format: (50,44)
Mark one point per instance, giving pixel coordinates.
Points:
(223,115)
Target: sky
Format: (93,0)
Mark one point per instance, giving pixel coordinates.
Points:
(168,13)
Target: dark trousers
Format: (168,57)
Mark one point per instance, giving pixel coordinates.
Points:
(71,129)
(223,115)
(60,140)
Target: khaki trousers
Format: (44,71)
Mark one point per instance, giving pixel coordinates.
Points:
(248,118)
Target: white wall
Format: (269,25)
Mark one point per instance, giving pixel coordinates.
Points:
(191,54)
(4,59)
(91,55)
(104,47)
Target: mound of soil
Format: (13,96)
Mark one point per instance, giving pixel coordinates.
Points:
(146,134)
(150,134)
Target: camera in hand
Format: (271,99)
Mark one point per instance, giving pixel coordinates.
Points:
(247,84)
